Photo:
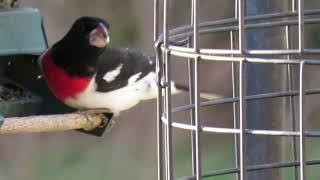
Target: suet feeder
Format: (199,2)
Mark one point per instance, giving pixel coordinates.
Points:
(22,40)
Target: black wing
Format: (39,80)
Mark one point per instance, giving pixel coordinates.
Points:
(133,62)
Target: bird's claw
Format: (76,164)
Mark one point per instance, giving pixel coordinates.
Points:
(106,124)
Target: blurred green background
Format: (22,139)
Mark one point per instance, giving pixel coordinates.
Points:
(129,150)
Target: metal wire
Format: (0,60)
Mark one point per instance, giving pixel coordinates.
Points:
(238,28)
(301,122)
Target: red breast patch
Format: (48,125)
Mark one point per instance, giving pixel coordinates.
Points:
(61,84)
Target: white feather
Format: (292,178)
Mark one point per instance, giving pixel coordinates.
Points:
(134,78)
(111,75)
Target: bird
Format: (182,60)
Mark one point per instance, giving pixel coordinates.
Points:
(85,73)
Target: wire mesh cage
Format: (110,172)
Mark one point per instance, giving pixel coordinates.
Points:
(255,61)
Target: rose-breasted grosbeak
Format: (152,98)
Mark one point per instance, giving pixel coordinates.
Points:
(83,72)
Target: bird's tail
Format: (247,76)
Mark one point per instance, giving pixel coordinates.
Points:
(177,88)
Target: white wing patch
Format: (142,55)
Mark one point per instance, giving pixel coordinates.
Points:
(110,76)
(134,78)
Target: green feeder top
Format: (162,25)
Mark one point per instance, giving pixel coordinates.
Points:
(21,32)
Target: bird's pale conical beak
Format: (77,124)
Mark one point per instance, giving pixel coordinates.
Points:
(99,37)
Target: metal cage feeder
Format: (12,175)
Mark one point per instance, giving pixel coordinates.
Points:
(247,60)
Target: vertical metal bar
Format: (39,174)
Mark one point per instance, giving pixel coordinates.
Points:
(165,23)
(293,5)
(168,113)
(242,91)
(192,111)
(197,119)
(290,84)
(301,122)
(236,8)
(166,141)
(159,96)
(234,105)
(159,116)
(168,129)
(155,20)
(195,7)
(191,97)
(192,114)
(234,87)
(159,132)
(242,38)
(242,118)
(301,25)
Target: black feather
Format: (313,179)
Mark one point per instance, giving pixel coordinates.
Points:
(133,62)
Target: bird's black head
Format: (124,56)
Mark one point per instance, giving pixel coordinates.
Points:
(91,30)
(78,51)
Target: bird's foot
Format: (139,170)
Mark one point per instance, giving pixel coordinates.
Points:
(106,124)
